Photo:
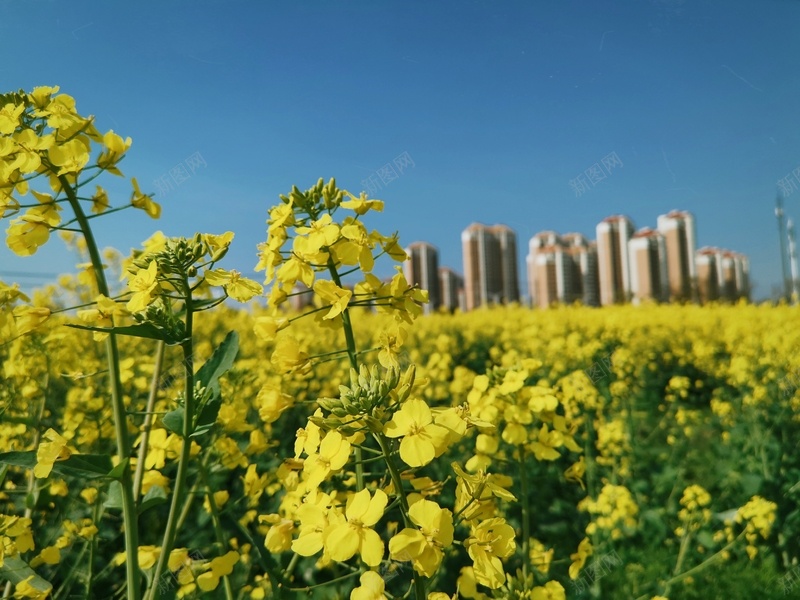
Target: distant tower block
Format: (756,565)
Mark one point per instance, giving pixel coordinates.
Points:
(613,234)
(451,287)
(678,229)
(648,266)
(422,269)
(490,265)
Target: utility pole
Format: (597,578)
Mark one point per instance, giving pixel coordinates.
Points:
(781,237)
(793,262)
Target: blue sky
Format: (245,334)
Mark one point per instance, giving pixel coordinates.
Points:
(498,104)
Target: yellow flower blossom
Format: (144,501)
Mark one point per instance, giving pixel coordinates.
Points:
(331,293)
(579,558)
(143,201)
(490,541)
(356,536)
(267,327)
(101,316)
(49,452)
(371,588)
(219,567)
(10,117)
(361,205)
(322,232)
(26,234)
(143,285)
(288,356)
(28,318)
(424,546)
(421,436)
(390,341)
(237,287)
(552,590)
(334,452)
(71,156)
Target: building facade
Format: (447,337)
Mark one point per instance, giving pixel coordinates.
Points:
(451,287)
(490,265)
(585,277)
(613,234)
(648,267)
(678,230)
(422,269)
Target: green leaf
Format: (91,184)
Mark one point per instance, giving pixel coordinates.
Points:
(705,538)
(143,330)
(89,466)
(114,499)
(207,418)
(751,484)
(154,496)
(116,472)
(208,375)
(219,363)
(15,569)
(173,420)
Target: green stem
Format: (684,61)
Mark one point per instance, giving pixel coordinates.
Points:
(308,588)
(171,530)
(419,583)
(526,514)
(129,514)
(698,568)
(148,420)
(218,533)
(352,352)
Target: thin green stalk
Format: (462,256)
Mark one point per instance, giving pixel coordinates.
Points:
(526,514)
(148,420)
(171,530)
(352,352)
(308,588)
(697,568)
(218,533)
(419,584)
(129,514)
(92,551)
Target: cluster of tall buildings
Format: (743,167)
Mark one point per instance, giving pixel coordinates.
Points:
(621,265)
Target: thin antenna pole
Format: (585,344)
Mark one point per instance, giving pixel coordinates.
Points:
(793,262)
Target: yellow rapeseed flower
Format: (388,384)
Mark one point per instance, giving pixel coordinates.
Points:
(49,452)
(371,588)
(490,541)
(356,535)
(237,287)
(219,567)
(424,546)
(421,436)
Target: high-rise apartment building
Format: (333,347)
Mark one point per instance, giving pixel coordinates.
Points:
(613,234)
(451,287)
(422,269)
(549,269)
(490,265)
(742,275)
(678,230)
(707,275)
(722,275)
(585,278)
(648,266)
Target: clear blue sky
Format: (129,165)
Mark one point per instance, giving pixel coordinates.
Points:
(499,105)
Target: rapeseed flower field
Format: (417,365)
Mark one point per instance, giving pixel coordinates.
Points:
(158,442)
